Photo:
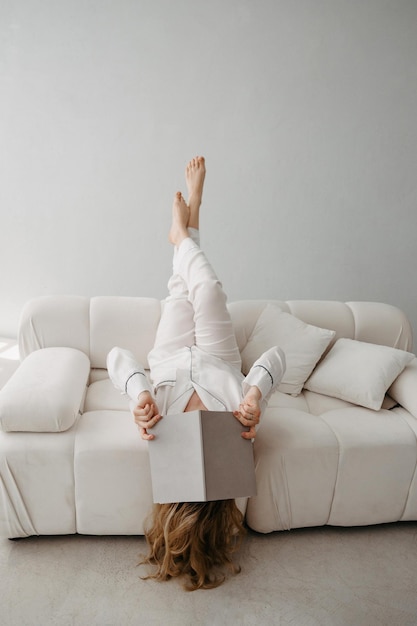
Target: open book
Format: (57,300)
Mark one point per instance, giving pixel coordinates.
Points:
(200,456)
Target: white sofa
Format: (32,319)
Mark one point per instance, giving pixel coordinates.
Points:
(72,461)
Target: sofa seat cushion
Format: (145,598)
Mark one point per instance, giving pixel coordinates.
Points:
(348,466)
(296,461)
(377,463)
(319,403)
(37,483)
(102,395)
(410,510)
(113,489)
(315,403)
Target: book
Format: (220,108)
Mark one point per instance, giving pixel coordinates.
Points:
(199,456)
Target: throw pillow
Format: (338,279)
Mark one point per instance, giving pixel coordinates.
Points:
(303,345)
(358,372)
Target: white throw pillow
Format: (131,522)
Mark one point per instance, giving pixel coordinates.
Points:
(302,344)
(358,372)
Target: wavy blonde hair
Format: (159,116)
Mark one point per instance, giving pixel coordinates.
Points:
(196,540)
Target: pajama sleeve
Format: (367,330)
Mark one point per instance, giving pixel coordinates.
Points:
(126,374)
(267,372)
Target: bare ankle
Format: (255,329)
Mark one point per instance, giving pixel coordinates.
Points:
(180,218)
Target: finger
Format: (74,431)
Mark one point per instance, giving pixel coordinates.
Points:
(149,412)
(246,421)
(249,434)
(145,435)
(147,423)
(249,416)
(154,420)
(146,414)
(248,404)
(242,420)
(250,409)
(142,411)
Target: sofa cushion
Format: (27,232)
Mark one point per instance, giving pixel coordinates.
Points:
(303,345)
(296,458)
(46,393)
(102,395)
(377,461)
(358,372)
(113,488)
(37,484)
(123,321)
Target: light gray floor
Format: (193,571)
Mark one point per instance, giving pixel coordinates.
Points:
(322,576)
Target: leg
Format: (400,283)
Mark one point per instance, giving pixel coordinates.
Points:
(176,326)
(195,312)
(213,327)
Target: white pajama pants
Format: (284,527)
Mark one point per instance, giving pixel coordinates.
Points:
(195,312)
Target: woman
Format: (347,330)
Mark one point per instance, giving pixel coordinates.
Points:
(195,364)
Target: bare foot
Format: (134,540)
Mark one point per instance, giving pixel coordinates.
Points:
(194,176)
(180,218)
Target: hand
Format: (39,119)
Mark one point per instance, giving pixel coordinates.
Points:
(249,412)
(146,414)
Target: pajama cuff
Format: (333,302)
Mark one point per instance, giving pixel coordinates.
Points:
(261,378)
(135,384)
(184,248)
(267,371)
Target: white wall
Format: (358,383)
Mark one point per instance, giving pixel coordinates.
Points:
(306,113)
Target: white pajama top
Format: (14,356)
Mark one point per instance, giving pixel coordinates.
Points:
(220,385)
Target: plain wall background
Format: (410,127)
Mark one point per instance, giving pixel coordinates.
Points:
(306,111)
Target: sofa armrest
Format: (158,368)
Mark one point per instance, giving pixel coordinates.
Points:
(46,392)
(404,389)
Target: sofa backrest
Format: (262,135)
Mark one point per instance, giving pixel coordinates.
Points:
(95,325)
(373,322)
(92,325)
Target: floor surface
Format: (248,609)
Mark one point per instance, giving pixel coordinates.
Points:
(322,576)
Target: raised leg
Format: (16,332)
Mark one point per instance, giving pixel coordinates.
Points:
(195,312)
(213,327)
(176,326)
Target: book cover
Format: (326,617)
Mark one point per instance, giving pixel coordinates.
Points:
(200,456)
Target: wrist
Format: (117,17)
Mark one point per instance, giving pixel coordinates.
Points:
(145,396)
(254,392)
